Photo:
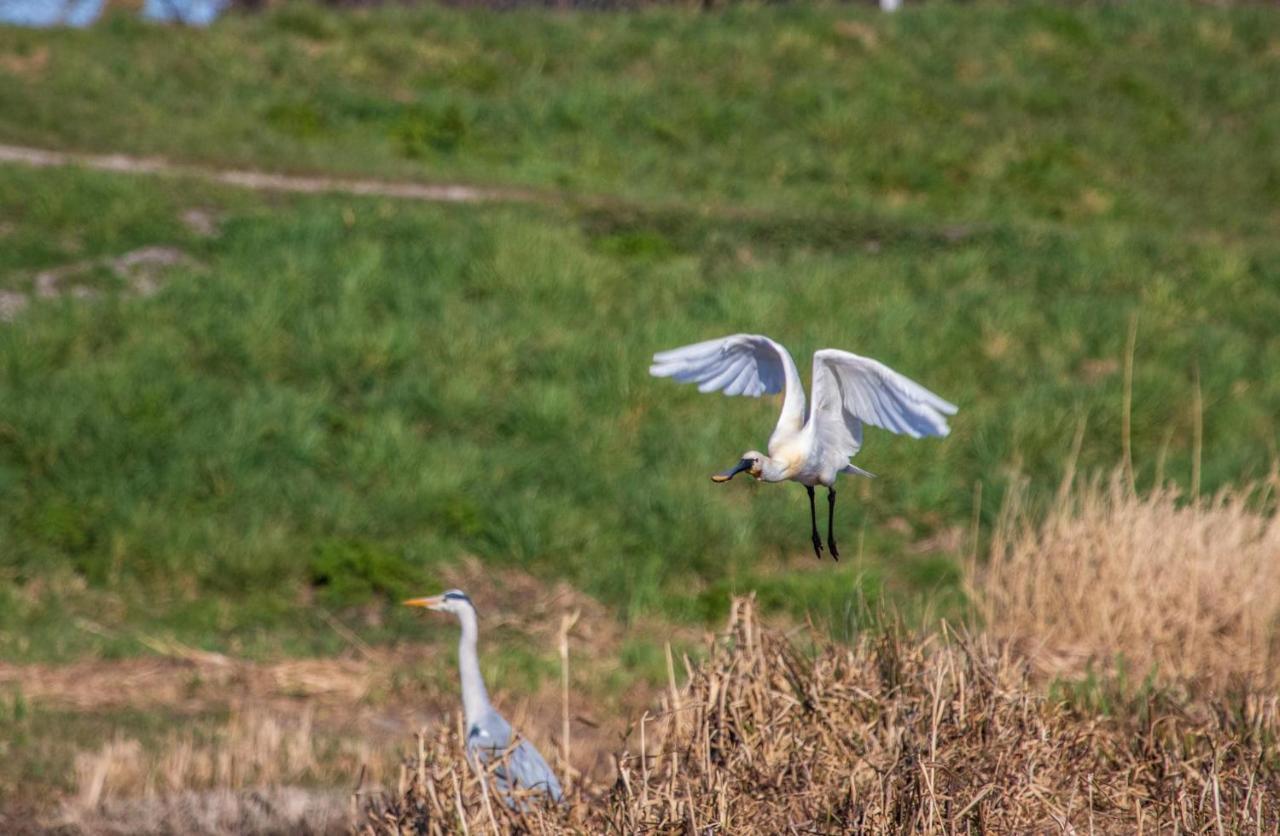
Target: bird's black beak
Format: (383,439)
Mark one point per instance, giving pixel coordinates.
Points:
(726,475)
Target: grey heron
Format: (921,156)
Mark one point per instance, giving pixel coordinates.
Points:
(812,447)
(489,735)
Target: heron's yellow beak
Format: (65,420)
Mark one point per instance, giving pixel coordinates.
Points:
(432,602)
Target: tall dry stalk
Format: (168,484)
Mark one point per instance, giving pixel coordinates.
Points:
(567,623)
(1127,415)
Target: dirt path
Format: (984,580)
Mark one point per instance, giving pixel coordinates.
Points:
(195,680)
(266,181)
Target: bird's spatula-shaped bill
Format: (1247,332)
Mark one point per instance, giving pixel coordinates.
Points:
(726,475)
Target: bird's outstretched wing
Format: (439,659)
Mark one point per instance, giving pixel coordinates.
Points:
(849,390)
(743,364)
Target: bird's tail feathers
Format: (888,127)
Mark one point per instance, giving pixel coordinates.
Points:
(853,468)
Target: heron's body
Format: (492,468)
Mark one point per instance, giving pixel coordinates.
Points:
(489,738)
(812,446)
(489,735)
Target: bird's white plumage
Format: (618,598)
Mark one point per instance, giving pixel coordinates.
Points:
(848,391)
(743,364)
(870,391)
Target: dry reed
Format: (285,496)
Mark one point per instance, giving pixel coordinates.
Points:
(894,734)
(1109,579)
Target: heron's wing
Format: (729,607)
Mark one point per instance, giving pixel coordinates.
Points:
(742,364)
(849,390)
(522,767)
(489,736)
(528,770)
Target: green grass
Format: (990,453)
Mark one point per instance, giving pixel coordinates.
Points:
(349,394)
(1153,112)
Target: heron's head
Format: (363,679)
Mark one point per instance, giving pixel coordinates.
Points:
(752,463)
(454,601)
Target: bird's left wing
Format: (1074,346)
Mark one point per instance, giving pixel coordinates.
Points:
(849,390)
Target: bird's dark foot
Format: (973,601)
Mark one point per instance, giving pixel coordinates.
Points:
(835,553)
(817,546)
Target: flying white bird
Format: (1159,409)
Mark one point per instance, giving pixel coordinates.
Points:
(489,735)
(808,447)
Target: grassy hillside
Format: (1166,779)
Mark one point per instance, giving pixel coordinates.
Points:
(1152,112)
(334,397)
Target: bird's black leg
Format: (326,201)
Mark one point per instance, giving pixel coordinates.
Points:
(813,519)
(831,516)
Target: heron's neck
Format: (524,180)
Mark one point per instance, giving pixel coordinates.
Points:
(475,699)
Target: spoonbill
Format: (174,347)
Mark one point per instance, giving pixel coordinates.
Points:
(812,447)
(489,735)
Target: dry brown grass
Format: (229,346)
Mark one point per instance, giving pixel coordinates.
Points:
(896,734)
(248,776)
(1189,591)
(222,812)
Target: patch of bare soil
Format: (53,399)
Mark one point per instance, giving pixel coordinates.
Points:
(201,221)
(188,680)
(138,272)
(518,599)
(266,810)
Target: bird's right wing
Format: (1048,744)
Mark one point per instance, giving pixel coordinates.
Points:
(742,364)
